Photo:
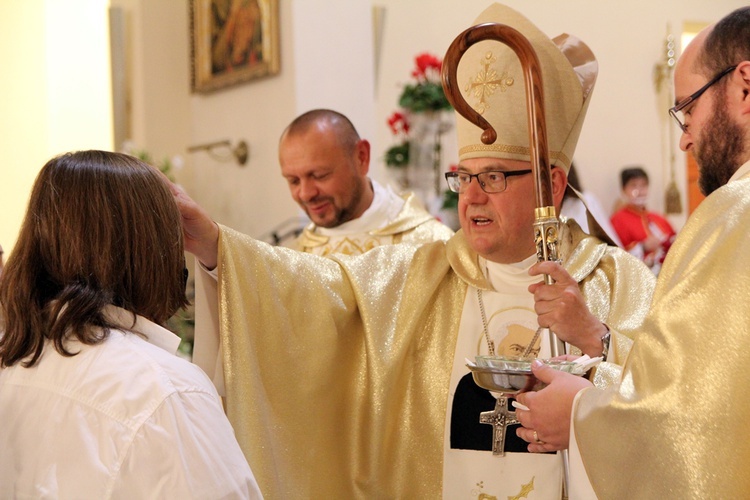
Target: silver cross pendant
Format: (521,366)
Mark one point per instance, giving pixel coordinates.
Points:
(500,418)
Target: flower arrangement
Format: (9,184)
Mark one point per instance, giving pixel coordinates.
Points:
(425,94)
(398,154)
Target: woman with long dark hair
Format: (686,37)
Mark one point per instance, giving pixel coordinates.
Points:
(93,401)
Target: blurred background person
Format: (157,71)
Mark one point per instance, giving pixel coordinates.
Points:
(645,234)
(325,164)
(93,401)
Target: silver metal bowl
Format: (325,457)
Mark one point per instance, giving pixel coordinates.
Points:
(513,376)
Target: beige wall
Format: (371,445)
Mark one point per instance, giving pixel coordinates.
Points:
(56,86)
(157,74)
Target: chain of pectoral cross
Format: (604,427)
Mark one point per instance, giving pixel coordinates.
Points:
(500,418)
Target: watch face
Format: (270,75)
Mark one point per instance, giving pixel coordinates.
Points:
(605,345)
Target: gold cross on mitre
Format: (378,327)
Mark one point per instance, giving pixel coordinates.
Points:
(487,81)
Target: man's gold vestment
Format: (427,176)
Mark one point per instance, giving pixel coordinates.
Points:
(337,369)
(413,224)
(677,426)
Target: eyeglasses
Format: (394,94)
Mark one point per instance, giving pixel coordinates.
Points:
(492,181)
(677,111)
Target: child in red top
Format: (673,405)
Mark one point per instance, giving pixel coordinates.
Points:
(644,234)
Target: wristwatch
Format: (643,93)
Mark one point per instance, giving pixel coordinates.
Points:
(605,344)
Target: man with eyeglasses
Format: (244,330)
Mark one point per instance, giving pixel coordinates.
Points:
(345,377)
(676,426)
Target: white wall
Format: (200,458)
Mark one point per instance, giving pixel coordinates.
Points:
(333,60)
(55,60)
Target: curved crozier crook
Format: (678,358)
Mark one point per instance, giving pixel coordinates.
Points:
(534,97)
(449,74)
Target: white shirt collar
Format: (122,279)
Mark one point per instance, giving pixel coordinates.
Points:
(385,207)
(153,333)
(517,272)
(741,172)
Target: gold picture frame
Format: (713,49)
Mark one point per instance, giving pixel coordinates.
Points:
(233,41)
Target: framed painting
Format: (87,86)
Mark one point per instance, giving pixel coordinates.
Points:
(233,41)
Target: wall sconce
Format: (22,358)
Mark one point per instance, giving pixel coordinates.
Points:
(239,152)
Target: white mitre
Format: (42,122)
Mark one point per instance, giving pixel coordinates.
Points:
(491,80)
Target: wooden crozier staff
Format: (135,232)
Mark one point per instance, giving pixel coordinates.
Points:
(546,224)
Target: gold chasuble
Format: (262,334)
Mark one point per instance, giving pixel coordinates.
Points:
(337,369)
(678,426)
(412,224)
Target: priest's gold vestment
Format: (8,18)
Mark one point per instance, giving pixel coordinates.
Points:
(678,425)
(337,369)
(413,224)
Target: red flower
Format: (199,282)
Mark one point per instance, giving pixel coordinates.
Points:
(398,123)
(426,62)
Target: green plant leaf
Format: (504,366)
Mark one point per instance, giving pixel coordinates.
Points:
(398,156)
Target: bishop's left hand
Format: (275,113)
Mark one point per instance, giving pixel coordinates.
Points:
(546,423)
(562,308)
(200,232)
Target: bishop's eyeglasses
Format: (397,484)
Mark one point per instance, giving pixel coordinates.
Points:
(677,111)
(492,181)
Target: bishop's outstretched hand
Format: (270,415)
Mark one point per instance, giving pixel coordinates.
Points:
(201,233)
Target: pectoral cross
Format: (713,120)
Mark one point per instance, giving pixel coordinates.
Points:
(500,418)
